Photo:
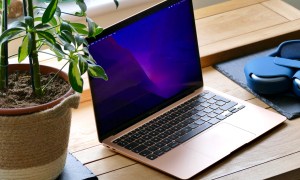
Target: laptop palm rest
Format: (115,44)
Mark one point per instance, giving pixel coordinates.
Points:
(220,140)
(202,151)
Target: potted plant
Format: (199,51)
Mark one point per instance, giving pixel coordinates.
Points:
(34,136)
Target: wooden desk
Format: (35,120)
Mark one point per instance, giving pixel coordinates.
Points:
(225,31)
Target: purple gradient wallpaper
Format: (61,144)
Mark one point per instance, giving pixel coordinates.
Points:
(147,63)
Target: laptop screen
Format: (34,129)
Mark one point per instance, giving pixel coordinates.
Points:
(151,60)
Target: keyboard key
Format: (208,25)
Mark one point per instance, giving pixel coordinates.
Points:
(205,118)
(165,148)
(194,125)
(228,114)
(122,143)
(220,103)
(241,107)
(212,115)
(205,104)
(201,113)
(199,108)
(228,105)
(214,121)
(152,156)
(199,122)
(153,148)
(194,132)
(220,98)
(214,106)
(131,145)
(218,111)
(221,117)
(159,152)
(167,141)
(211,101)
(139,148)
(149,143)
(145,153)
(173,144)
(160,144)
(209,95)
(208,110)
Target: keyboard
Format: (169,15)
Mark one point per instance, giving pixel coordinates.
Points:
(178,125)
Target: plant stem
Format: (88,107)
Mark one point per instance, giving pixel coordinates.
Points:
(29,57)
(4,53)
(34,55)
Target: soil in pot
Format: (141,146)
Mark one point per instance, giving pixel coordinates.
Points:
(19,93)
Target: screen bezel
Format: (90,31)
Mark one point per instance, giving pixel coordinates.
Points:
(110,30)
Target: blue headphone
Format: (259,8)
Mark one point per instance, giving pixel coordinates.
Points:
(277,73)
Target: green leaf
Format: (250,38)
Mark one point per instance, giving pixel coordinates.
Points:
(37,19)
(97,71)
(42,26)
(29,21)
(92,60)
(117,3)
(79,40)
(50,11)
(68,36)
(81,5)
(64,26)
(10,33)
(8,3)
(46,36)
(18,24)
(53,21)
(69,47)
(58,11)
(74,77)
(93,28)
(83,65)
(56,49)
(79,28)
(25,48)
(86,50)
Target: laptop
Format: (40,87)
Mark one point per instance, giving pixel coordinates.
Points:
(154,107)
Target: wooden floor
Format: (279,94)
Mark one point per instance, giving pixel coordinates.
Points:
(227,30)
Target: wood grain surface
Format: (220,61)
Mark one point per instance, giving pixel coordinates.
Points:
(227,30)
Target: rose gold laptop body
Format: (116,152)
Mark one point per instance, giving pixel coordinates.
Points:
(205,149)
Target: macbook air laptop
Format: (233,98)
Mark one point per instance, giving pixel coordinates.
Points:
(154,107)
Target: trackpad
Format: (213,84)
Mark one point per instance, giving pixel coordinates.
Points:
(220,141)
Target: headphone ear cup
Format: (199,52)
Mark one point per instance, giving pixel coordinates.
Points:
(265,77)
(296,83)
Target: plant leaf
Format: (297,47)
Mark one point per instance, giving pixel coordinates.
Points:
(69,47)
(79,40)
(25,48)
(93,28)
(46,36)
(74,77)
(79,28)
(83,65)
(50,11)
(42,26)
(18,24)
(65,27)
(116,3)
(56,49)
(10,33)
(68,36)
(29,21)
(97,71)
(81,5)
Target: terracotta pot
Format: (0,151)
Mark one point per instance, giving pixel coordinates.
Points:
(34,146)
